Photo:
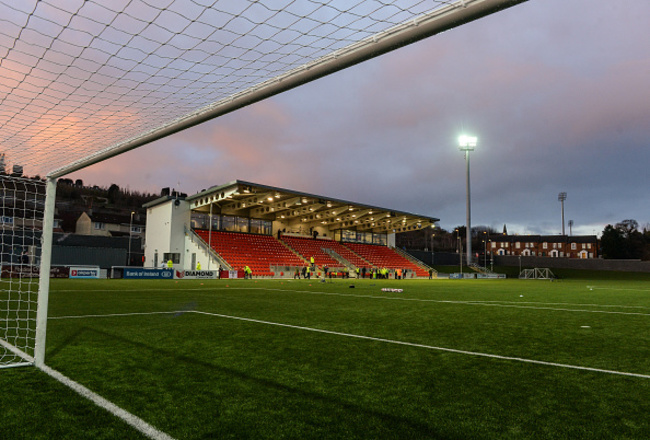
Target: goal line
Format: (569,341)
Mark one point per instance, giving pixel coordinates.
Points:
(130,419)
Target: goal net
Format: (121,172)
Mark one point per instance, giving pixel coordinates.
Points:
(85,80)
(21,219)
(81,81)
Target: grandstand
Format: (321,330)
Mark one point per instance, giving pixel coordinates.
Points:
(243,224)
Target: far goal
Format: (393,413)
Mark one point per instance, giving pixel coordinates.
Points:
(537,274)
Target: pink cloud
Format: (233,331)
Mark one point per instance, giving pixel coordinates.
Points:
(244,145)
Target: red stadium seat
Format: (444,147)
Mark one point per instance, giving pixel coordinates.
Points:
(258,252)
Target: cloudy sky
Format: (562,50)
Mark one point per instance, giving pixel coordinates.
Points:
(557,92)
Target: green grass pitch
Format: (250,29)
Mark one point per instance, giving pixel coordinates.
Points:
(247,359)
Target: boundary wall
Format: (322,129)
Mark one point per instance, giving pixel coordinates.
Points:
(435,258)
(574,263)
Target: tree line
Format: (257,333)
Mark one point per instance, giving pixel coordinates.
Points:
(625,240)
(70,190)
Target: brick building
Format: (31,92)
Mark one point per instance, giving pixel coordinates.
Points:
(558,246)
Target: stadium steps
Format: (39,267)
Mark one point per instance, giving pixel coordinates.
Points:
(303,259)
(311,247)
(383,256)
(417,262)
(480,269)
(342,261)
(356,260)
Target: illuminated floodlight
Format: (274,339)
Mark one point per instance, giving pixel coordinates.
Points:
(467,143)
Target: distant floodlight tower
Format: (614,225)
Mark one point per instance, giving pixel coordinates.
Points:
(128,263)
(467,144)
(562,197)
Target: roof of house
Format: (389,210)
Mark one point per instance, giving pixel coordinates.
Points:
(544,238)
(95,241)
(117,219)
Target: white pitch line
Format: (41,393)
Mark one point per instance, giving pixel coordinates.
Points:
(98,400)
(429,347)
(516,304)
(558,304)
(370,338)
(504,304)
(554,309)
(169,289)
(109,315)
(617,288)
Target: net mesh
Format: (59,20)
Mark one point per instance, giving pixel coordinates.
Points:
(22,205)
(81,76)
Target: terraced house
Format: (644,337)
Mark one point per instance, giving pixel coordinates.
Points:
(555,246)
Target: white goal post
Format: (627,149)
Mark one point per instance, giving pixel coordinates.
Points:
(25,259)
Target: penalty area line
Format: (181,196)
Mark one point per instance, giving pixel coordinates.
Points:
(503,304)
(112,315)
(431,347)
(617,288)
(132,420)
